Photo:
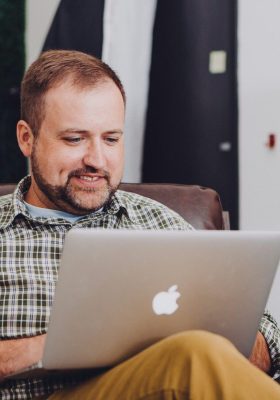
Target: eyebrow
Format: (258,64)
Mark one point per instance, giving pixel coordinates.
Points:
(84,131)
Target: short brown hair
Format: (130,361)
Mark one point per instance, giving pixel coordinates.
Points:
(52,68)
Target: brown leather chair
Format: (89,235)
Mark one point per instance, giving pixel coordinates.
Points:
(198,205)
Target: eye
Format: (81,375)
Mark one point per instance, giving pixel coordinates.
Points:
(72,139)
(112,139)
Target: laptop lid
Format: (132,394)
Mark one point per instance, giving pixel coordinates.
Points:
(120,291)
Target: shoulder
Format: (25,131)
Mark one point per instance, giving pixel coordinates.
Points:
(5,201)
(150,214)
(6,206)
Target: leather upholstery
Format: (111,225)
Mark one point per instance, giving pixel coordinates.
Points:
(198,205)
(6,188)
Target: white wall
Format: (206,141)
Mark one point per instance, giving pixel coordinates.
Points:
(259,105)
(39,13)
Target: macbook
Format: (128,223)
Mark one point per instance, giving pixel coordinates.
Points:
(120,291)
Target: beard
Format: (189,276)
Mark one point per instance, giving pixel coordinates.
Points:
(71,198)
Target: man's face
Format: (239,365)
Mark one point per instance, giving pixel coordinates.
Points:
(77,158)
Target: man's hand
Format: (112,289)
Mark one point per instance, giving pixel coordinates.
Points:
(16,354)
(260,354)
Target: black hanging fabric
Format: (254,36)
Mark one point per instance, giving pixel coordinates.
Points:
(77,26)
(191,126)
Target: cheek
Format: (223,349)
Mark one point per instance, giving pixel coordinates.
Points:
(56,166)
(116,162)
(61,159)
(55,161)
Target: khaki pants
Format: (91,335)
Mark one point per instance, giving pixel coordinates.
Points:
(194,365)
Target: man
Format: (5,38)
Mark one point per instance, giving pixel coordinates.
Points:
(72,131)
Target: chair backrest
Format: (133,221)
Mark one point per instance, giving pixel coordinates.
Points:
(198,205)
(7,188)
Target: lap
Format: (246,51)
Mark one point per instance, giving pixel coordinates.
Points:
(174,369)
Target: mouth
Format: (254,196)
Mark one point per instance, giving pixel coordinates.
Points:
(89,180)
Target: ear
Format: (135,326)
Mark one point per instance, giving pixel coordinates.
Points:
(25,137)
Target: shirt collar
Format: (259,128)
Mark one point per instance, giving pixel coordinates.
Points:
(120,203)
(117,204)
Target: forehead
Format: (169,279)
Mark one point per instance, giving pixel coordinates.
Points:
(69,90)
(103,101)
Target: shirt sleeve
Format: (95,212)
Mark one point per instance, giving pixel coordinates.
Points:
(270,330)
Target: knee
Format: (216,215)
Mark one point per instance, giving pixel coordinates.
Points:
(198,343)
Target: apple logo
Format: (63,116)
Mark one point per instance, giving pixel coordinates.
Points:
(166,302)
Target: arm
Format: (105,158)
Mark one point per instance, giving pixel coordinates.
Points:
(16,354)
(267,346)
(260,356)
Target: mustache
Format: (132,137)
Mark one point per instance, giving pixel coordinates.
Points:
(89,170)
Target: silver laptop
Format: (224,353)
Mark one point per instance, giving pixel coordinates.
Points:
(120,291)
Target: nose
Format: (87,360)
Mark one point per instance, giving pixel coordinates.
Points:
(94,155)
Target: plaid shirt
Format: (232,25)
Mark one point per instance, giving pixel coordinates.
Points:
(30,250)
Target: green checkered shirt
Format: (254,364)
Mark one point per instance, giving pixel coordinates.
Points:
(30,250)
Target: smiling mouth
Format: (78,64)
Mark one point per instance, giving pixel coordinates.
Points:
(90,178)
(87,181)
